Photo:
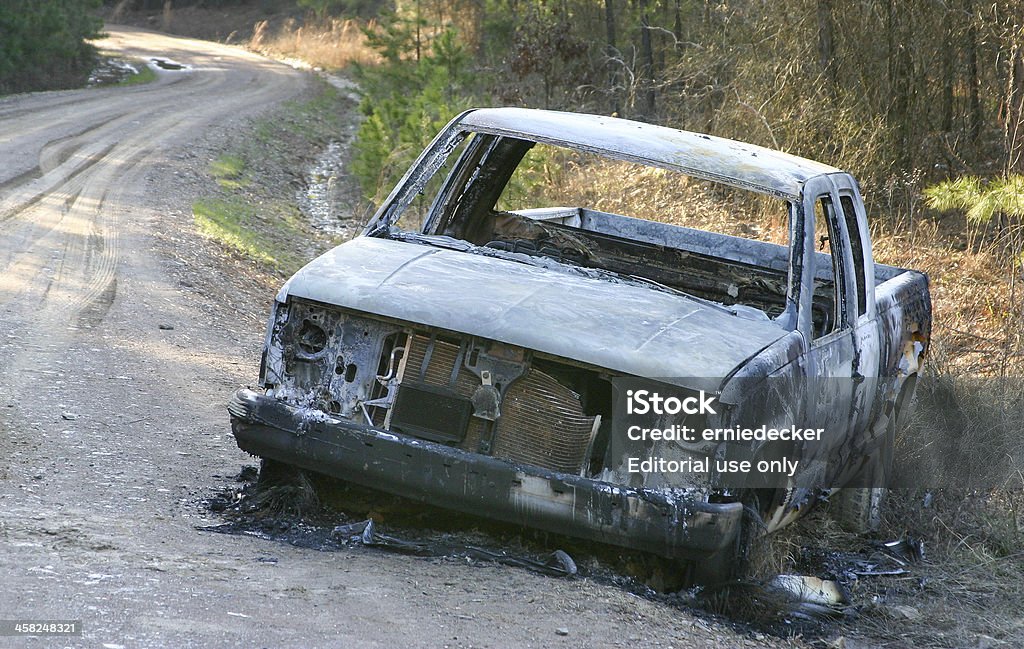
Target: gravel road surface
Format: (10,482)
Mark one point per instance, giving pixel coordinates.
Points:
(121,339)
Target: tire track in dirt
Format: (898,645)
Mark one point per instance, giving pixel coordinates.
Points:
(72,168)
(66,207)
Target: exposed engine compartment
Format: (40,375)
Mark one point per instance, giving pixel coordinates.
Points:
(478,395)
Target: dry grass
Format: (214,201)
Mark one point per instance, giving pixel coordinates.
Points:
(969,591)
(333,44)
(964,439)
(977,320)
(648,193)
(978,316)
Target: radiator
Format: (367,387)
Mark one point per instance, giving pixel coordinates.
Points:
(542,422)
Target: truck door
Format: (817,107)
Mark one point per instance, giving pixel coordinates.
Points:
(866,334)
(827,320)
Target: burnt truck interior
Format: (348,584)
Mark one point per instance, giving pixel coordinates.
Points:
(752,278)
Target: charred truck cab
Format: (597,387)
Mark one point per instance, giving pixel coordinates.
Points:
(478,361)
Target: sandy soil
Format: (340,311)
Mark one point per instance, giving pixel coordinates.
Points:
(122,336)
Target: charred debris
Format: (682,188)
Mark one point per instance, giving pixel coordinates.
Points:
(319,513)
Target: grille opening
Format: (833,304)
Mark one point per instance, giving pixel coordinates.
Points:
(549,413)
(432,365)
(431,413)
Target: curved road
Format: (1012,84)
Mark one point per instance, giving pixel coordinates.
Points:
(114,371)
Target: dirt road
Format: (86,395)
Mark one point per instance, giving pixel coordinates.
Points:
(114,371)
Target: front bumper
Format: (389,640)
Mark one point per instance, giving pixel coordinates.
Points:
(665,524)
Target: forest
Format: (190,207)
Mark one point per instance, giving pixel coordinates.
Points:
(43,43)
(922,100)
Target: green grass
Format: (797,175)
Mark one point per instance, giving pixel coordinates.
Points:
(228,170)
(252,210)
(224,221)
(144,75)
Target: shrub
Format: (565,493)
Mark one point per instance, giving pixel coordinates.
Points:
(43,44)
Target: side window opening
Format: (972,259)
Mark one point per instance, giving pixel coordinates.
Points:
(857,247)
(829,307)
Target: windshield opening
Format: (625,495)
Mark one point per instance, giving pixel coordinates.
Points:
(708,240)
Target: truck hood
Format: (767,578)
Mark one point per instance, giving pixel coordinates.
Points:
(623,327)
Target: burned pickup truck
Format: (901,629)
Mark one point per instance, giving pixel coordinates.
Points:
(483,344)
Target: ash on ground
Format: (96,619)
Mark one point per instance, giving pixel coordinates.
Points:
(295,508)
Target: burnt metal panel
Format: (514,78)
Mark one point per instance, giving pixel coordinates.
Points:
(622,327)
(673,524)
(702,156)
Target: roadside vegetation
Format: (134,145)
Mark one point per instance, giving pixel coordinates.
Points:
(253,211)
(230,222)
(43,43)
(331,43)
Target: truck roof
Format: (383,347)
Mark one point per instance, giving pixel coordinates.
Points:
(695,154)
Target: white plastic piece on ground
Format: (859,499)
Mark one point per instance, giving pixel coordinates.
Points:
(811,590)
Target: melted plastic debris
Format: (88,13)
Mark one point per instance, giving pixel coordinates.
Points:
(877,559)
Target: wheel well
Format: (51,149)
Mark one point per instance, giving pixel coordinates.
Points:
(904,400)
